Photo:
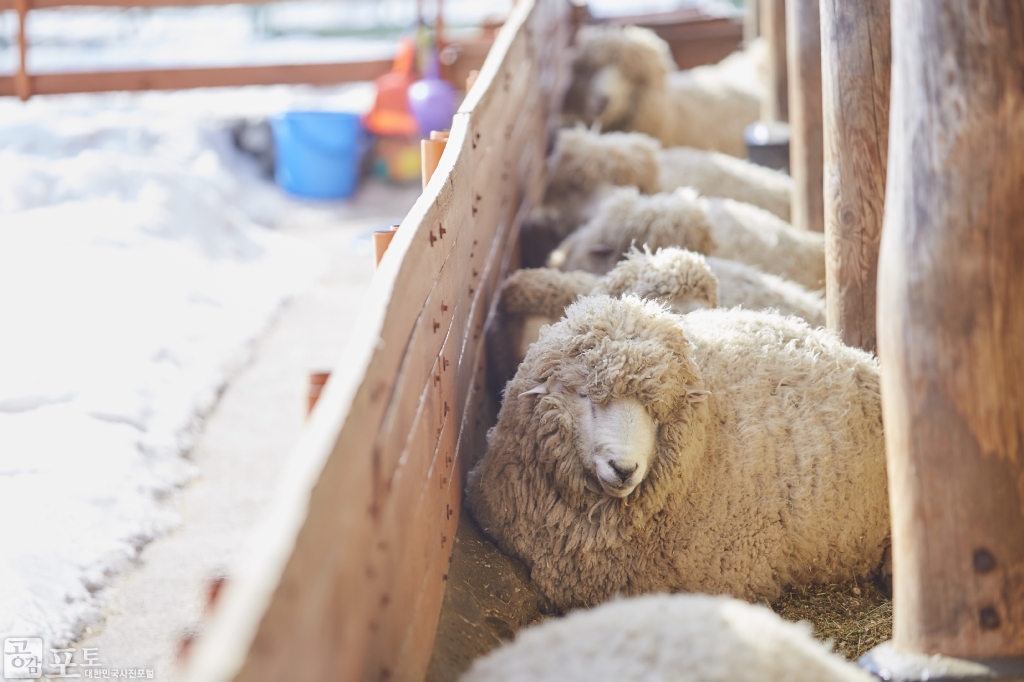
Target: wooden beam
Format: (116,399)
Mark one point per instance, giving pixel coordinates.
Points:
(213,77)
(806,159)
(52,4)
(772,15)
(856,61)
(951,326)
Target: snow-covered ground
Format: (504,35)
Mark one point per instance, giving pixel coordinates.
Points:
(136,268)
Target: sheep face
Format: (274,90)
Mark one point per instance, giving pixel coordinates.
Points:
(614,440)
(610,98)
(619,439)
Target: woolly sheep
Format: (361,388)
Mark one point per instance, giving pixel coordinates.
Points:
(676,276)
(624,79)
(584,159)
(677,638)
(580,166)
(720,227)
(724,451)
(685,281)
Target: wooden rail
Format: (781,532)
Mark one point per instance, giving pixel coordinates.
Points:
(346,581)
(469,55)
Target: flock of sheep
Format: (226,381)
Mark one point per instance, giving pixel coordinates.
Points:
(675,417)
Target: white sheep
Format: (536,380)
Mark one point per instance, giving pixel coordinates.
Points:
(587,160)
(682,638)
(684,280)
(723,451)
(720,227)
(624,79)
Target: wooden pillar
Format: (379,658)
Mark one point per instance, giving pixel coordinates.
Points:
(856,49)
(772,16)
(803,31)
(751,20)
(951,326)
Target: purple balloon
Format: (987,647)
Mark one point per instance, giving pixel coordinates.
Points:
(432,102)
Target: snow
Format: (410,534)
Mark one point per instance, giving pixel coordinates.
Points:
(137,267)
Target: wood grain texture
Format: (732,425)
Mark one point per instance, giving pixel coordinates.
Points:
(806,156)
(951,326)
(772,16)
(346,582)
(856,62)
(200,77)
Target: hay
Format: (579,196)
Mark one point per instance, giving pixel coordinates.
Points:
(854,616)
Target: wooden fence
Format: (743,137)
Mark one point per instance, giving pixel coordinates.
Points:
(347,581)
(468,55)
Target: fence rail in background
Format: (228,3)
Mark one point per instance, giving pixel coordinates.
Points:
(465,56)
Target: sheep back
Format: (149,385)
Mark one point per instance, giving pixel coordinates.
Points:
(624,218)
(747,287)
(754,236)
(714,174)
(684,638)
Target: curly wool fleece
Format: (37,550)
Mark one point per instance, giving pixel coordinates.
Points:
(682,638)
(777,479)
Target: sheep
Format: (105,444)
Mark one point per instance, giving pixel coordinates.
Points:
(584,159)
(624,79)
(685,638)
(720,227)
(685,281)
(674,276)
(580,166)
(725,451)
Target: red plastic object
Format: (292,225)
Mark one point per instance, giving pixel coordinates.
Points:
(390,114)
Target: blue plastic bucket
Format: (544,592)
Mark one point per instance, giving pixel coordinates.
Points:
(319,153)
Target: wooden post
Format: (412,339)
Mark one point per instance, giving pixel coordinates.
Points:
(22,84)
(856,49)
(381,242)
(751,20)
(951,326)
(803,31)
(430,153)
(772,16)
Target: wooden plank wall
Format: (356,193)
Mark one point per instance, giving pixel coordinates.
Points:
(346,581)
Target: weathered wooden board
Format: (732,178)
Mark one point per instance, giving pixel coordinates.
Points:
(346,581)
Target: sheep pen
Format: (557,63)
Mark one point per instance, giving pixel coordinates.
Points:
(354,573)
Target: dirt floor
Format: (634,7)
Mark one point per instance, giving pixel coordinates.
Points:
(489,598)
(246,440)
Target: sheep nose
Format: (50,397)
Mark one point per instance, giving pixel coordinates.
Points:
(622,471)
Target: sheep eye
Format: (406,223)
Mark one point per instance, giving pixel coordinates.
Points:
(600,250)
(581,393)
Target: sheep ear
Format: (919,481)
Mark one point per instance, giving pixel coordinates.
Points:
(549,385)
(696,395)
